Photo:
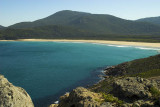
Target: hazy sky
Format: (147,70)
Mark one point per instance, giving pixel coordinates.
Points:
(14,11)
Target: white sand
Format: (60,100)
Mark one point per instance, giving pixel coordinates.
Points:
(142,44)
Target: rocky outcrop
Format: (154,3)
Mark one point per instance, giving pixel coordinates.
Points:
(133,87)
(80,97)
(12,96)
(134,91)
(116,70)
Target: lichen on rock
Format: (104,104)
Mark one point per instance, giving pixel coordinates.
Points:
(12,96)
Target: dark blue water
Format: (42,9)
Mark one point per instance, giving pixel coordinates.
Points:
(47,70)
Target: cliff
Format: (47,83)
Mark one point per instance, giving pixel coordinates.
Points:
(12,96)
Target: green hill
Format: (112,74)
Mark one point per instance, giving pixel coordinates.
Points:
(97,23)
(145,67)
(153,20)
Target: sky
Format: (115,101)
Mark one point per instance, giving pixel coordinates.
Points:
(15,11)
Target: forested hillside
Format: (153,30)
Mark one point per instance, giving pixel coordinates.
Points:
(80,25)
(153,20)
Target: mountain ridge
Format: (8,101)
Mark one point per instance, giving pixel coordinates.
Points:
(97,23)
(80,25)
(153,20)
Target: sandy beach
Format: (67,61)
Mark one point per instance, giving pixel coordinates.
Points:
(125,43)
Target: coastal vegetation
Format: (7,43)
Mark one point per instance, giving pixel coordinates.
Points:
(111,98)
(142,67)
(123,79)
(148,74)
(145,68)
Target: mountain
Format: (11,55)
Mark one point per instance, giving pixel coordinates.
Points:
(153,20)
(97,23)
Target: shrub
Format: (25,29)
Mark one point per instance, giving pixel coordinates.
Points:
(148,74)
(111,98)
(155,92)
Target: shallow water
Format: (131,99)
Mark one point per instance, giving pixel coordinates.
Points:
(47,70)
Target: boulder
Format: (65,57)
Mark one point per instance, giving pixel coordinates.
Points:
(12,96)
(133,87)
(80,97)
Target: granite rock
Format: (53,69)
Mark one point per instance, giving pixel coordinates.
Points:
(12,96)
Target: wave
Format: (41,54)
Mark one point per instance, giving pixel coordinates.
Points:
(121,46)
(67,42)
(99,44)
(145,48)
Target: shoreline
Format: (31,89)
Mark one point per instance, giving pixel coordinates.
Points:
(90,41)
(109,42)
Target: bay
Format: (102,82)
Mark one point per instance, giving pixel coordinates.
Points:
(46,70)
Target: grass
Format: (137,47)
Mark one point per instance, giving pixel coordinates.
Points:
(103,86)
(148,74)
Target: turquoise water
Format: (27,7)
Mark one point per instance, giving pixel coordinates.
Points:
(47,70)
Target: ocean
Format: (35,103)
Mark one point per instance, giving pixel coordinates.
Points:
(47,70)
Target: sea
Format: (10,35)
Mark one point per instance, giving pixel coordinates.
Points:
(47,70)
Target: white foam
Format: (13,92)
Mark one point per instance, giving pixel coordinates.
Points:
(67,42)
(99,43)
(56,102)
(110,45)
(145,48)
(121,46)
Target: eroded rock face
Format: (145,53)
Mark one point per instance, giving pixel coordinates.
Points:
(12,96)
(80,97)
(133,87)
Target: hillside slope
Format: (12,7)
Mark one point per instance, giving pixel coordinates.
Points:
(145,67)
(45,32)
(65,32)
(153,20)
(97,23)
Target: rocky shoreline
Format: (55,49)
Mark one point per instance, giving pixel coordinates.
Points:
(127,92)
(130,84)
(120,88)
